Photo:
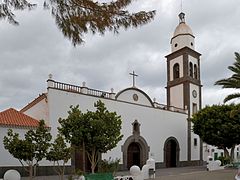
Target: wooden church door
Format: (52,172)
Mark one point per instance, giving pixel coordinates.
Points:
(171,154)
(79,161)
(133,155)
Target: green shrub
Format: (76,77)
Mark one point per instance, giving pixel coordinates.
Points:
(224,160)
(76,173)
(110,165)
(99,176)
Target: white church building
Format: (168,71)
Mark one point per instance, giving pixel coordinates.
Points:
(150,129)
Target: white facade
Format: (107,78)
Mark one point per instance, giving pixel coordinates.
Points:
(39,110)
(216,153)
(156,124)
(6,158)
(176,98)
(180,42)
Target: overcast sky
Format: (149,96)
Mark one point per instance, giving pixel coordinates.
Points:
(36,48)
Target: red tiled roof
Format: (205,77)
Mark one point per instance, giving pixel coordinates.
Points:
(12,117)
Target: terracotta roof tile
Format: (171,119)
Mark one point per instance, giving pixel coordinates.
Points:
(12,117)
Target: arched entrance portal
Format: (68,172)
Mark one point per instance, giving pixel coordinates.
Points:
(171,152)
(135,149)
(133,155)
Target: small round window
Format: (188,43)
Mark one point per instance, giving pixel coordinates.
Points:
(176,45)
(191,44)
(135,97)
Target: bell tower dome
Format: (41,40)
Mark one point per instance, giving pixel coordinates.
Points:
(183,35)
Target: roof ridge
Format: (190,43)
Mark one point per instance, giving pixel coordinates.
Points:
(33,102)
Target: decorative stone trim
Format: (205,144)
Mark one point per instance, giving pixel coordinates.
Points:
(180,52)
(144,149)
(136,89)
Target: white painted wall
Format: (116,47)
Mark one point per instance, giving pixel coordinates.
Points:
(195,150)
(176,96)
(6,159)
(156,125)
(39,111)
(178,60)
(211,150)
(182,41)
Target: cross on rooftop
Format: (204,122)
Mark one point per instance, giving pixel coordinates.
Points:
(133,75)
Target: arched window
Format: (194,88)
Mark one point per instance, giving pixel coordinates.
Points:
(195,71)
(176,71)
(191,69)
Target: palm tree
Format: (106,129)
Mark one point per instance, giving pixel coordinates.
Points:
(233,81)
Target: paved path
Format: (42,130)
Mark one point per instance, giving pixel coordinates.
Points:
(185,173)
(196,174)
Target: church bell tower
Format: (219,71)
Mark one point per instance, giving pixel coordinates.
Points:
(183,80)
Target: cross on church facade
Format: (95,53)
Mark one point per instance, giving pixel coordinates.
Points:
(133,75)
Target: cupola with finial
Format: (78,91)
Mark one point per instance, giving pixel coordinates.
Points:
(183,35)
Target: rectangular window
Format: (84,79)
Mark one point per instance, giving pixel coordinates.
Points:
(237,154)
(195,142)
(222,154)
(194,108)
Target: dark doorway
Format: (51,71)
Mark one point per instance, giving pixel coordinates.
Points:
(133,155)
(171,154)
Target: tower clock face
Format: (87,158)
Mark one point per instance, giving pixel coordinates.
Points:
(194,93)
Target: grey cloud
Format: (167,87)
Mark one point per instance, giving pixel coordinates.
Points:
(29,52)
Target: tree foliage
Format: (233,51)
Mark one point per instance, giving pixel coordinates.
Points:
(218,126)
(60,154)
(78,17)
(234,80)
(31,149)
(97,132)
(8,6)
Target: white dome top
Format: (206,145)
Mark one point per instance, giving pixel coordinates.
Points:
(182,28)
(182,36)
